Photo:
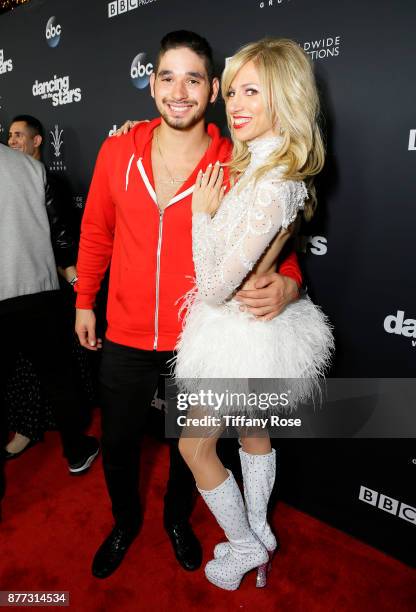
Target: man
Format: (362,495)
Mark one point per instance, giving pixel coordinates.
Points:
(29,251)
(138,214)
(26,134)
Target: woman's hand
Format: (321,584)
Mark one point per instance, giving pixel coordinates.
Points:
(209,190)
(127,125)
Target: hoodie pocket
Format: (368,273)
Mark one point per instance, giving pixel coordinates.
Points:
(133,305)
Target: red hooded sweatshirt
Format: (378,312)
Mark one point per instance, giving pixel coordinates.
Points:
(150,250)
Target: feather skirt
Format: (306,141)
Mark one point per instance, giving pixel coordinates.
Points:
(222,342)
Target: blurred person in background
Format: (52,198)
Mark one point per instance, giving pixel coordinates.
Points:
(25,409)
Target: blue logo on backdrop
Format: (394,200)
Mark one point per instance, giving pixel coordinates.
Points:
(53,32)
(140,71)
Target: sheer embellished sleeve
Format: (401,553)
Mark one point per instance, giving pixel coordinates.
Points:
(226,248)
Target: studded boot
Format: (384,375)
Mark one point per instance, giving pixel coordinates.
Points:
(245,551)
(259,472)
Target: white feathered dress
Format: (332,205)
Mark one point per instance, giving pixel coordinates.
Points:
(218,340)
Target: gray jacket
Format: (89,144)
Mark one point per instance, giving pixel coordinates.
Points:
(27,263)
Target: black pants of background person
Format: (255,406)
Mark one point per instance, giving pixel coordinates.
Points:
(3,438)
(28,409)
(38,332)
(128,381)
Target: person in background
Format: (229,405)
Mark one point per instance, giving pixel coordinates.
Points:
(27,135)
(28,410)
(29,299)
(29,296)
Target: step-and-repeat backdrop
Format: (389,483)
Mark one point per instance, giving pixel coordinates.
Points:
(83,68)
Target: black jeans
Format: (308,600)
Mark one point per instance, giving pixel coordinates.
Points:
(128,381)
(41,336)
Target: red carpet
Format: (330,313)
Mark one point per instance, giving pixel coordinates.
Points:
(53,523)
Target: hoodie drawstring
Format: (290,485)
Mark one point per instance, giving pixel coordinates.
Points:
(128,170)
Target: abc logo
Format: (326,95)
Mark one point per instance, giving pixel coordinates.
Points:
(53,32)
(140,71)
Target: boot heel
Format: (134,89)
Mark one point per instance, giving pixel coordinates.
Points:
(263,570)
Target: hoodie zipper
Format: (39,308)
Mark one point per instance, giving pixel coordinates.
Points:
(159,248)
(177,198)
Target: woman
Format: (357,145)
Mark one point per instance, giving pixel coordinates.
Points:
(272,108)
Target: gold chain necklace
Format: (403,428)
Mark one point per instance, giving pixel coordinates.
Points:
(173,180)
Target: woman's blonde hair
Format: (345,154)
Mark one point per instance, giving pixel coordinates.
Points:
(290,96)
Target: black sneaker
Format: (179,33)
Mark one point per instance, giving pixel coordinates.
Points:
(92,448)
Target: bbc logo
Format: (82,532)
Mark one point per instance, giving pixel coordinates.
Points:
(388,504)
(121,6)
(118,7)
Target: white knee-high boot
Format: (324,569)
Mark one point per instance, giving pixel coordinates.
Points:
(245,550)
(259,472)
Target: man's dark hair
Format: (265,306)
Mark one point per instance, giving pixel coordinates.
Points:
(189,40)
(31,122)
